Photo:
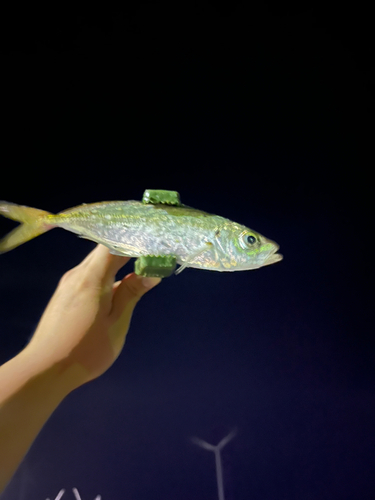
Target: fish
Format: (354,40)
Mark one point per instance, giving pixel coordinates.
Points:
(196,239)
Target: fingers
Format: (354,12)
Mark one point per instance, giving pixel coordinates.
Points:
(127,293)
(102,265)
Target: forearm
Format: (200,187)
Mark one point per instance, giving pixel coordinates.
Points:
(31,388)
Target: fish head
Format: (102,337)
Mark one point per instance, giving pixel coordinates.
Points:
(251,250)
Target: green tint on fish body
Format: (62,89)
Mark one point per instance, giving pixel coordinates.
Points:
(193,237)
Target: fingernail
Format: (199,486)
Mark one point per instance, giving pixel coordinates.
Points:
(150,282)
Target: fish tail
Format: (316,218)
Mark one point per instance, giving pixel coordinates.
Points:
(33,223)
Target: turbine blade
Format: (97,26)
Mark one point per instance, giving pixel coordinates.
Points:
(203,444)
(76,494)
(226,440)
(59,495)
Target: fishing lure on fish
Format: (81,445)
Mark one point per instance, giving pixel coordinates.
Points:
(160,231)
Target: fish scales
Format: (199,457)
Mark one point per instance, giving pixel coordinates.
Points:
(140,229)
(195,238)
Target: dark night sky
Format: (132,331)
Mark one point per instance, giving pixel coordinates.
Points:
(260,114)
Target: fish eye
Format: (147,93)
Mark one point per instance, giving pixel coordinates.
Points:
(251,239)
(248,239)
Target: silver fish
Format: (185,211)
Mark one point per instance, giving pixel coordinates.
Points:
(133,228)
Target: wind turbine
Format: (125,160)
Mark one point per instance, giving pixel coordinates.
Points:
(76,494)
(216,449)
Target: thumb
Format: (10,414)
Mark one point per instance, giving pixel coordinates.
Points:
(127,293)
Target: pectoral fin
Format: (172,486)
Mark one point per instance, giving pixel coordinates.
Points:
(193,255)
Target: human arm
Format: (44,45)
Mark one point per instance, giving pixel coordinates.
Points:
(80,335)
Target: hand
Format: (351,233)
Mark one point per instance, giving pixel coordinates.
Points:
(87,318)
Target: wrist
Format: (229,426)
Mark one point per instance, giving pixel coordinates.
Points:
(54,377)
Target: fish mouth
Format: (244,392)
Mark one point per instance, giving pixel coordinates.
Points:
(276,257)
(273,257)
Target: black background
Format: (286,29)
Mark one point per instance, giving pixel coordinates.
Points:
(256,112)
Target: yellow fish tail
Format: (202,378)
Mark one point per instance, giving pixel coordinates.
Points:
(33,223)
